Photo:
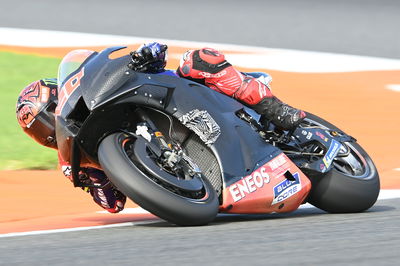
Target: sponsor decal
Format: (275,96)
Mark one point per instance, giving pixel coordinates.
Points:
(51,81)
(322,167)
(277,162)
(209,75)
(258,178)
(307,134)
(68,88)
(249,184)
(286,189)
(45,94)
(332,152)
(322,136)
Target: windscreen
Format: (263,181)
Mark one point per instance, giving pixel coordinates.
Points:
(70,63)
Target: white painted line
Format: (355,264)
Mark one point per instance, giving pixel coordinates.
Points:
(76,229)
(393,87)
(396,169)
(389,194)
(252,56)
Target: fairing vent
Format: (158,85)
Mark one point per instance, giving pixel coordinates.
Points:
(205,159)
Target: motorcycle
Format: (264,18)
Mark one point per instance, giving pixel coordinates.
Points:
(185,152)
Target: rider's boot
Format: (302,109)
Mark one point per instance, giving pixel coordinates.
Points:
(280,114)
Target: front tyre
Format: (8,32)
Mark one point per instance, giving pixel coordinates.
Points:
(127,163)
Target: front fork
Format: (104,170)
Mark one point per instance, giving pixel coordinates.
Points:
(171,156)
(149,131)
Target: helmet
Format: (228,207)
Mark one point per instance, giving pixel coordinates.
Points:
(35,111)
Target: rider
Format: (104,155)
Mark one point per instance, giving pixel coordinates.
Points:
(37,102)
(209,67)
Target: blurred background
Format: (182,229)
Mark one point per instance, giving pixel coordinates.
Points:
(361,27)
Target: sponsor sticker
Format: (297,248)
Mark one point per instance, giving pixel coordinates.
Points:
(258,178)
(277,162)
(249,184)
(286,189)
(322,167)
(322,136)
(332,152)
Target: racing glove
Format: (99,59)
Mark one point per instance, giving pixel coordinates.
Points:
(151,57)
(106,195)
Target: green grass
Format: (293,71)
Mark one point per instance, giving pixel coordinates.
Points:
(17,150)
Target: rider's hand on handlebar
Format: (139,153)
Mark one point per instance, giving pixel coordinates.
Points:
(149,58)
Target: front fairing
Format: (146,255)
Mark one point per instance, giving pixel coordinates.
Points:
(68,81)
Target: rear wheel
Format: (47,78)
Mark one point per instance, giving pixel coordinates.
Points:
(183,197)
(353,183)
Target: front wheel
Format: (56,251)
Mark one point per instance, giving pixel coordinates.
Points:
(353,183)
(131,167)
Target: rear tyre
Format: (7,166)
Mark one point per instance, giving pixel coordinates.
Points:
(154,189)
(353,183)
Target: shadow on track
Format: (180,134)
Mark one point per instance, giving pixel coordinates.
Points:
(223,218)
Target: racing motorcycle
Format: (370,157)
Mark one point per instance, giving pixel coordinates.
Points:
(185,152)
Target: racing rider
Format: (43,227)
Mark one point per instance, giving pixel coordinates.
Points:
(209,67)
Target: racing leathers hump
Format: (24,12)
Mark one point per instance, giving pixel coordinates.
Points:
(209,67)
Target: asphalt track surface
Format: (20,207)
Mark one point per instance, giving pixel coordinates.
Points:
(308,236)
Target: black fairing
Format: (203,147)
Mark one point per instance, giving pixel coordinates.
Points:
(109,91)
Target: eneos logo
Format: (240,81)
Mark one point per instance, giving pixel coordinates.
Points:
(249,184)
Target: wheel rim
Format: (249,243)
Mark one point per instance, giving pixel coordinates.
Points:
(176,187)
(354,164)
